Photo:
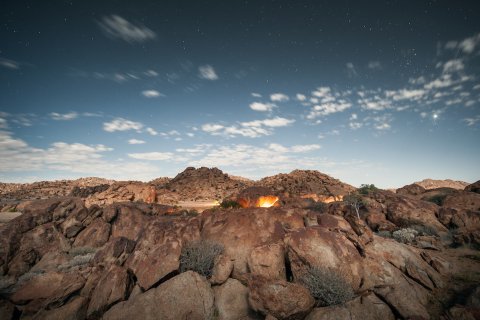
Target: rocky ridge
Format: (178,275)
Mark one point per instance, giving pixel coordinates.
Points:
(62,259)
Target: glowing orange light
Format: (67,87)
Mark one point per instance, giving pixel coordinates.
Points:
(266,201)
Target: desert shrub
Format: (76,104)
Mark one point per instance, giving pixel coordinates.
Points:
(227,204)
(81,251)
(78,260)
(437,199)
(367,189)
(199,256)
(29,275)
(384,234)
(327,286)
(424,230)
(405,235)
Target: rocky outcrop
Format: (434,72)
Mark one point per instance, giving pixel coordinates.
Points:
(304,182)
(186,296)
(474,187)
(204,184)
(231,301)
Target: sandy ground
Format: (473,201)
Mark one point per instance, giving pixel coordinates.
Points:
(198,205)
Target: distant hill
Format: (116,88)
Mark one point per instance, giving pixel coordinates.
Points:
(447,183)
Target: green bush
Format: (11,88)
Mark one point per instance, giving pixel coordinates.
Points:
(327,286)
(227,204)
(424,230)
(384,234)
(367,189)
(199,256)
(81,251)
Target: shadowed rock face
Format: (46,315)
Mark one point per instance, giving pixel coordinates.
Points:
(62,259)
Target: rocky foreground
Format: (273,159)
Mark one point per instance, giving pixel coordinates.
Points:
(411,255)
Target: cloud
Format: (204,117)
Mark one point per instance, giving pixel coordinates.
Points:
(151,131)
(120,124)
(116,27)
(152,94)
(250,129)
(403,94)
(9,64)
(256,95)
(136,141)
(467,45)
(301,97)
(351,71)
(151,73)
(63,116)
(259,106)
(3,123)
(279,97)
(152,156)
(305,148)
(472,121)
(374,65)
(207,72)
(454,65)
(328,108)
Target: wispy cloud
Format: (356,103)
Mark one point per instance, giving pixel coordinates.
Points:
(9,64)
(279,97)
(207,72)
(117,27)
(467,45)
(351,70)
(152,94)
(472,121)
(256,95)
(120,124)
(151,131)
(251,129)
(136,141)
(63,116)
(262,107)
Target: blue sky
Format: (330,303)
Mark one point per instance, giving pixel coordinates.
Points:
(118,90)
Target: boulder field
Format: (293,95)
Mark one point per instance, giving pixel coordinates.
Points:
(62,259)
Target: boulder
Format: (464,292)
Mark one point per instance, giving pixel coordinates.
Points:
(222,269)
(47,290)
(157,252)
(241,230)
(404,211)
(411,190)
(279,298)
(268,261)
(95,235)
(231,301)
(367,306)
(324,249)
(112,287)
(463,200)
(186,296)
(128,221)
(75,309)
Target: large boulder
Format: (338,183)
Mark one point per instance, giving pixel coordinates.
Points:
(463,200)
(241,230)
(116,251)
(318,247)
(364,307)
(268,261)
(231,301)
(157,253)
(114,286)
(279,298)
(47,290)
(222,269)
(411,190)
(186,296)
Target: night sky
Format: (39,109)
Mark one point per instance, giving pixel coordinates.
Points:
(383,92)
